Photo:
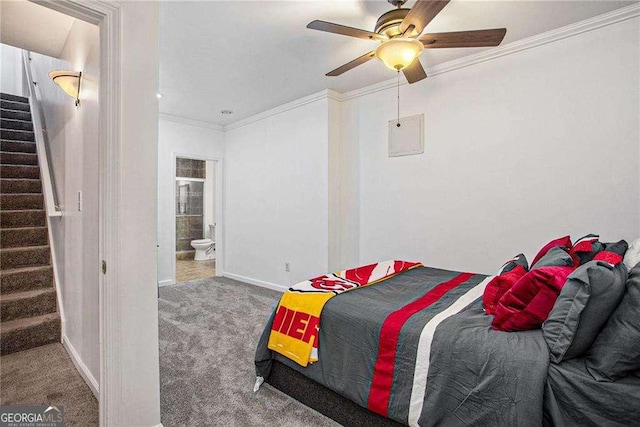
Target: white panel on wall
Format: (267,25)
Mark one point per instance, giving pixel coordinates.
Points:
(406,136)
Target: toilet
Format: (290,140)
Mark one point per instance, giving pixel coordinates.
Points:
(205,248)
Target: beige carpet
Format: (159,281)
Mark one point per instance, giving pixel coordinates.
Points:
(46,376)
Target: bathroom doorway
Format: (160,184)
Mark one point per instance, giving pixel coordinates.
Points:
(196,216)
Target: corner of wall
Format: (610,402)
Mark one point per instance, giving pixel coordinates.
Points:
(334,177)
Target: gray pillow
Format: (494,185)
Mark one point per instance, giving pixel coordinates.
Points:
(616,351)
(586,301)
(517,260)
(556,257)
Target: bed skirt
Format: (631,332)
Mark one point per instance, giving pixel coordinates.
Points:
(323,400)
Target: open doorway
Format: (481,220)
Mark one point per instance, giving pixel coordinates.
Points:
(51,211)
(195,219)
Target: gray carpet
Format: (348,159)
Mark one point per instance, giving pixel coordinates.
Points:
(46,376)
(208,334)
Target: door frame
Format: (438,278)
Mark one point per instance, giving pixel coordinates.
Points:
(108,17)
(219,270)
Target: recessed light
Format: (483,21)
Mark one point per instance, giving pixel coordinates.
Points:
(226,112)
(159,95)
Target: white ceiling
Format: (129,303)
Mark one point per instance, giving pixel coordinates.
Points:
(33,27)
(249,56)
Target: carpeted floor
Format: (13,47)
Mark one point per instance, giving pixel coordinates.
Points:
(208,334)
(46,376)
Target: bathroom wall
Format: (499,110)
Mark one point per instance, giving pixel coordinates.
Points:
(189,202)
(190,168)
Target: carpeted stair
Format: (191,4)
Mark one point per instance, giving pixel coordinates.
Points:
(28,308)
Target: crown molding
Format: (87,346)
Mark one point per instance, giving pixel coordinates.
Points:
(571,30)
(190,122)
(323,94)
(336,96)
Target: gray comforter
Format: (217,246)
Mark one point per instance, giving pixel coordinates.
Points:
(574,398)
(462,373)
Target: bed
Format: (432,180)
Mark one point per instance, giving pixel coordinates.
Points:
(439,363)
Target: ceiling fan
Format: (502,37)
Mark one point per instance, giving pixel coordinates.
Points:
(399,31)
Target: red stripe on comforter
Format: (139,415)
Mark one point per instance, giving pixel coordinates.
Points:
(380,392)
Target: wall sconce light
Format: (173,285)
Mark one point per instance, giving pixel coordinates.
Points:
(69,82)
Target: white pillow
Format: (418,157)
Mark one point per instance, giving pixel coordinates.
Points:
(632,257)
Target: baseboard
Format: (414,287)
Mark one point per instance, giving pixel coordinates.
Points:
(63,328)
(165,282)
(262,284)
(81,367)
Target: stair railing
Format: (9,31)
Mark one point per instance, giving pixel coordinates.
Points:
(46,178)
(46,173)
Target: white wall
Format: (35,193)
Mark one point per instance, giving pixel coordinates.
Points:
(11,70)
(137,338)
(276,197)
(72,136)
(57,109)
(192,141)
(348,164)
(518,150)
(209,199)
(334,181)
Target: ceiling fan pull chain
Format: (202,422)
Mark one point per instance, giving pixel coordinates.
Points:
(398,124)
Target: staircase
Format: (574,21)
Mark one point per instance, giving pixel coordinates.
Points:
(28,309)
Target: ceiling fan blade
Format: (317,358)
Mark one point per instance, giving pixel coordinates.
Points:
(478,38)
(330,27)
(353,64)
(415,72)
(422,12)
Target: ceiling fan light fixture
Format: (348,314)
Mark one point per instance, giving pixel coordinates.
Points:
(399,53)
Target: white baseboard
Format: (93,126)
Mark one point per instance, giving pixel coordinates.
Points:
(63,328)
(165,282)
(81,367)
(263,284)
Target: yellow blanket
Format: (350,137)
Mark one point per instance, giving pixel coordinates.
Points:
(294,332)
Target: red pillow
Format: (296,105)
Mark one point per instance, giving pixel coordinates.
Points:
(613,253)
(564,242)
(585,248)
(528,303)
(498,286)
